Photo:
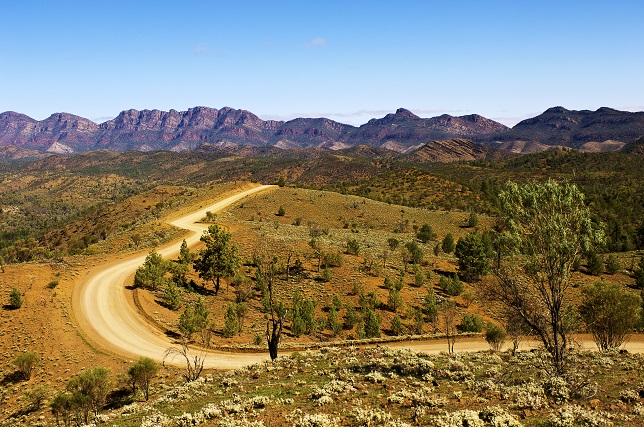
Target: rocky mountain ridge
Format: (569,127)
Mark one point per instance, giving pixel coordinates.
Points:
(226,128)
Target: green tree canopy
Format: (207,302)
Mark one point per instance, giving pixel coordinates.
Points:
(151,275)
(610,313)
(547,228)
(219,259)
(472,257)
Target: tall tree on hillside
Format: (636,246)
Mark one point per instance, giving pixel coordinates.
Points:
(548,229)
(219,258)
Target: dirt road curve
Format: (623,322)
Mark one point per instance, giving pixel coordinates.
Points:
(110,321)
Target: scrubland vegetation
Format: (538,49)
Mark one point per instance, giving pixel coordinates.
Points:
(406,252)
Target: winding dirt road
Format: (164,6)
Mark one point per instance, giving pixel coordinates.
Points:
(110,321)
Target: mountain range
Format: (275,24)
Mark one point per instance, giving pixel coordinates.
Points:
(203,128)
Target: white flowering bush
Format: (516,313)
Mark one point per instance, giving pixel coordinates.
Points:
(370,416)
(557,389)
(499,417)
(577,416)
(461,418)
(299,419)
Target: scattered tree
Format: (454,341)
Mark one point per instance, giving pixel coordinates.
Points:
(333,321)
(151,275)
(25,363)
(612,264)
(231,323)
(396,325)
(281,211)
(395,300)
(471,323)
(351,317)
(449,317)
(353,247)
(595,264)
(430,308)
(15,298)
(472,220)
(172,296)
(448,244)
(517,329)
(89,390)
(194,363)
(495,336)
(610,313)
(372,324)
(141,375)
(472,257)
(194,319)
(548,228)
(451,285)
(219,259)
(425,234)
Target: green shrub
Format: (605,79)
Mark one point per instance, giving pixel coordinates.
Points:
(25,363)
(451,285)
(495,336)
(471,323)
(396,325)
(15,298)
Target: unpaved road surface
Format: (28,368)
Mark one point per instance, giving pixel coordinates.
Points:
(110,321)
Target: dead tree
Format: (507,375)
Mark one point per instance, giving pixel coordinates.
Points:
(194,364)
(276,323)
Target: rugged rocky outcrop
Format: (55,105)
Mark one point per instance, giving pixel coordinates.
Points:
(558,126)
(451,150)
(208,129)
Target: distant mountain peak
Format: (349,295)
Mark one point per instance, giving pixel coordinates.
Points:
(404,113)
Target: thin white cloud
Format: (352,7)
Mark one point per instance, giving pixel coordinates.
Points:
(201,49)
(316,42)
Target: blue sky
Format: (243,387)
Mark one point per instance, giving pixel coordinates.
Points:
(346,60)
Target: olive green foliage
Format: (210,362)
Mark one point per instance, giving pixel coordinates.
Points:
(172,296)
(612,264)
(610,313)
(87,393)
(395,300)
(231,323)
(415,252)
(547,227)
(419,277)
(448,244)
(25,363)
(426,233)
(15,298)
(430,308)
(302,315)
(639,274)
(333,321)
(353,247)
(219,259)
(337,303)
(595,264)
(471,323)
(281,211)
(194,318)
(141,375)
(372,322)
(472,257)
(473,220)
(396,325)
(451,285)
(495,336)
(151,275)
(351,317)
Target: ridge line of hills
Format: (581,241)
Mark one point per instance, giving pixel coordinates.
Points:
(208,129)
